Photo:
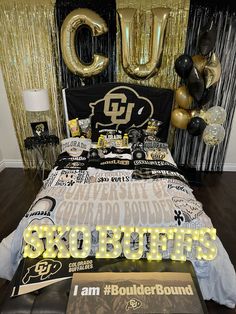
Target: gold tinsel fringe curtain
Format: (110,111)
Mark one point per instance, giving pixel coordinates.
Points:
(29,59)
(29,55)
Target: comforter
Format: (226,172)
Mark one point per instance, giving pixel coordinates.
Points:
(144,196)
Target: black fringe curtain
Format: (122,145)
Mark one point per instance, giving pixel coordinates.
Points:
(188,150)
(104,44)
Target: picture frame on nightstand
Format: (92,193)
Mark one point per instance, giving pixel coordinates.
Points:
(39,128)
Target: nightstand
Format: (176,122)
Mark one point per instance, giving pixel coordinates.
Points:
(42,151)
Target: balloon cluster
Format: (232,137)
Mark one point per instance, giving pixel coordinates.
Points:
(200,73)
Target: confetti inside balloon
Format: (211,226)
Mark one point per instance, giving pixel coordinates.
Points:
(213,134)
(215,115)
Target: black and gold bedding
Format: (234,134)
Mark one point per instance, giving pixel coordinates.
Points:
(96,197)
(114,186)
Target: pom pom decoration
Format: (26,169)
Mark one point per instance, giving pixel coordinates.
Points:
(213,134)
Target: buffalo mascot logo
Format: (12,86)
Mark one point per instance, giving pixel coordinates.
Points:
(133,304)
(43,270)
(121,106)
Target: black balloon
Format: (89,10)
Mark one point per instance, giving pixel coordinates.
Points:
(196,84)
(196,126)
(207,39)
(207,96)
(183,66)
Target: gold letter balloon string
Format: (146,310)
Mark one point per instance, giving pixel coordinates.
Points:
(199,73)
(72,22)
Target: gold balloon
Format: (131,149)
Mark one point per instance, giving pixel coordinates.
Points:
(199,62)
(71,23)
(180,118)
(183,98)
(212,71)
(194,113)
(132,67)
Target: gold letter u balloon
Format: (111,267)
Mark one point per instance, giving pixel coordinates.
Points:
(71,23)
(130,65)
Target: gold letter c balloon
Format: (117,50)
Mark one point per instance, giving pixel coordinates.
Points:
(71,23)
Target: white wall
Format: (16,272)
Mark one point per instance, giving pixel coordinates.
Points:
(9,149)
(1,162)
(230,159)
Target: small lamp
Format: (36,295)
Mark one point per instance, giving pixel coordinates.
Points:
(36,100)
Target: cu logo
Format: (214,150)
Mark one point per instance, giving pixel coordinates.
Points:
(121,106)
(43,269)
(133,304)
(115,109)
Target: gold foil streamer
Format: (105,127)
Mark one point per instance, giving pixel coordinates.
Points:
(29,59)
(174,42)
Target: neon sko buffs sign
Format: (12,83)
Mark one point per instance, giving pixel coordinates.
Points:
(113,241)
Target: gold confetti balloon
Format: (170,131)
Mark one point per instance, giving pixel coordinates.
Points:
(215,115)
(213,134)
(183,98)
(180,118)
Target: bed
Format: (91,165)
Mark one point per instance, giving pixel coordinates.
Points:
(119,186)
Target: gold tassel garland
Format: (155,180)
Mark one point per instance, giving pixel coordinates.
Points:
(29,59)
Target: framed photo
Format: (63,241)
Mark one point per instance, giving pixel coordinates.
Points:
(39,128)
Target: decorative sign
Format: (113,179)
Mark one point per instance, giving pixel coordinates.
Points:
(147,292)
(42,272)
(75,241)
(120,105)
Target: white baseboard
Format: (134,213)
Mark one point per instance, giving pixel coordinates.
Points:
(2,165)
(226,167)
(229,167)
(13,163)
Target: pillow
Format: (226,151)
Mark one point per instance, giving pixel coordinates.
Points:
(75,146)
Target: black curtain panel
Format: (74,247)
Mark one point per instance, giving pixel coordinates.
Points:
(188,150)
(88,45)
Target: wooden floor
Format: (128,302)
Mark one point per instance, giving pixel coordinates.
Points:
(217,192)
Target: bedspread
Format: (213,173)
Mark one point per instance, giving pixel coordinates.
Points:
(97,197)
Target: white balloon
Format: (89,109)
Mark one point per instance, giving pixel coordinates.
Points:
(215,115)
(213,134)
